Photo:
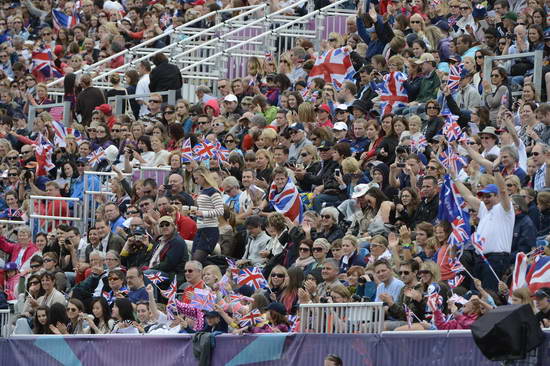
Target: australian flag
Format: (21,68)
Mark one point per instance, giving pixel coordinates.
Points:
(451,209)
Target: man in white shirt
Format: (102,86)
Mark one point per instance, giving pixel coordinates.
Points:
(144,68)
(540,154)
(496,225)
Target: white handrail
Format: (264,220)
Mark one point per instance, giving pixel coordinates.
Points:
(273,31)
(188,39)
(154,39)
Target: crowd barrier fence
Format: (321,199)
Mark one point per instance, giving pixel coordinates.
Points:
(537,69)
(46,213)
(434,348)
(60,112)
(95,184)
(159,174)
(356,317)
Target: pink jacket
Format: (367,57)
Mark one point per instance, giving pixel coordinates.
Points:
(463,321)
(10,287)
(13,250)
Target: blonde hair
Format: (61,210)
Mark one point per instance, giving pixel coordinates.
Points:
(338,37)
(433,268)
(256,65)
(269,133)
(311,150)
(350,165)
(398,61)
(306,112)
(267,155)
(215,270)
(207,175)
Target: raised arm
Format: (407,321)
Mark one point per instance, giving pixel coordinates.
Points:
(473,201)
(502,192)
(488,165)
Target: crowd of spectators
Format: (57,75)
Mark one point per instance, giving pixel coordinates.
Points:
(367,173)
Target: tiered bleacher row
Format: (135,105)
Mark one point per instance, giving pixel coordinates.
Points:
(202,167)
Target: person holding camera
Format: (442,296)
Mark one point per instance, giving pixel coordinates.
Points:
(137,250)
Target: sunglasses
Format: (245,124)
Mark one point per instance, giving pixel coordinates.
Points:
(404,273)
(116,130)
(304,249)
(202,123)
(222,86)
(72,310)
(229,141)
(415,22)
(431,167)
(510,185)
(303,155)
(472,143)
(317,249)
(432,108)
(132,212)
(326,216)
(535,153)
(46,34)
(114,278)
(154,101)
(189,270)
(278,275)
(48,260)
(464,8)
(12,158)
(495,75)
(164,224)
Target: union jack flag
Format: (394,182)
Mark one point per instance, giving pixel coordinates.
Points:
(456,281)
(451,129)
(286,201)
(221,152)
(454,77)
(456,265)
(43,153)
(419,143)
(539,273)
(252,277)
(204,150)
(186,151)
(42,64)
(203,299)
(478,242)
(460,233)
(392,92)
(251,319)
(62,20)
(294,320)
(537,252)
(156,278)
(451,160)
(96,156)
(172,290)
(62,132)
(334,67)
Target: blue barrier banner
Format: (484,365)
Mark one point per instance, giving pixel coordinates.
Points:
(388,349)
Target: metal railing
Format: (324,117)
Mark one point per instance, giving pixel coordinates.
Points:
(119,100)
(159,174)
(279,34)
(47,213)
(133,51)
(66,111)
(5,323)
(537,69)
(355,317)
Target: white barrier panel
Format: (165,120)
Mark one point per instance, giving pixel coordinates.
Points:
(95,184)
(5,323)
(47,213)
(349,318)
(159,174)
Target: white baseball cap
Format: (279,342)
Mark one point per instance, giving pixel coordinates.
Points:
(340,126)
(230,98)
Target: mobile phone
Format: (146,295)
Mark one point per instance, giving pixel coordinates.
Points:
(337,172)
(401,165)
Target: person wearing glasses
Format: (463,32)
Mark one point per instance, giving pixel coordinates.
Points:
(193,280)
(155,111)
(170,254)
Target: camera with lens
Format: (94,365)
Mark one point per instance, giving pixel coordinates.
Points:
(402,149)
(362,280)
(323,300)
(356,298)
(510,36)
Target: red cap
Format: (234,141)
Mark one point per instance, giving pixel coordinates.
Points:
(58,50)
(324,107)
(105,109)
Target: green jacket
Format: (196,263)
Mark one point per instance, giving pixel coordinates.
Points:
(428,88)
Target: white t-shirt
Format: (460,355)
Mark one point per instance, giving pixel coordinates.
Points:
(497,227)
(143,88)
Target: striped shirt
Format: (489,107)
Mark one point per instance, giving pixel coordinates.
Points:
(210,203)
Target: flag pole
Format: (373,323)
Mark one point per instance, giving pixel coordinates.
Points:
(491,268)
